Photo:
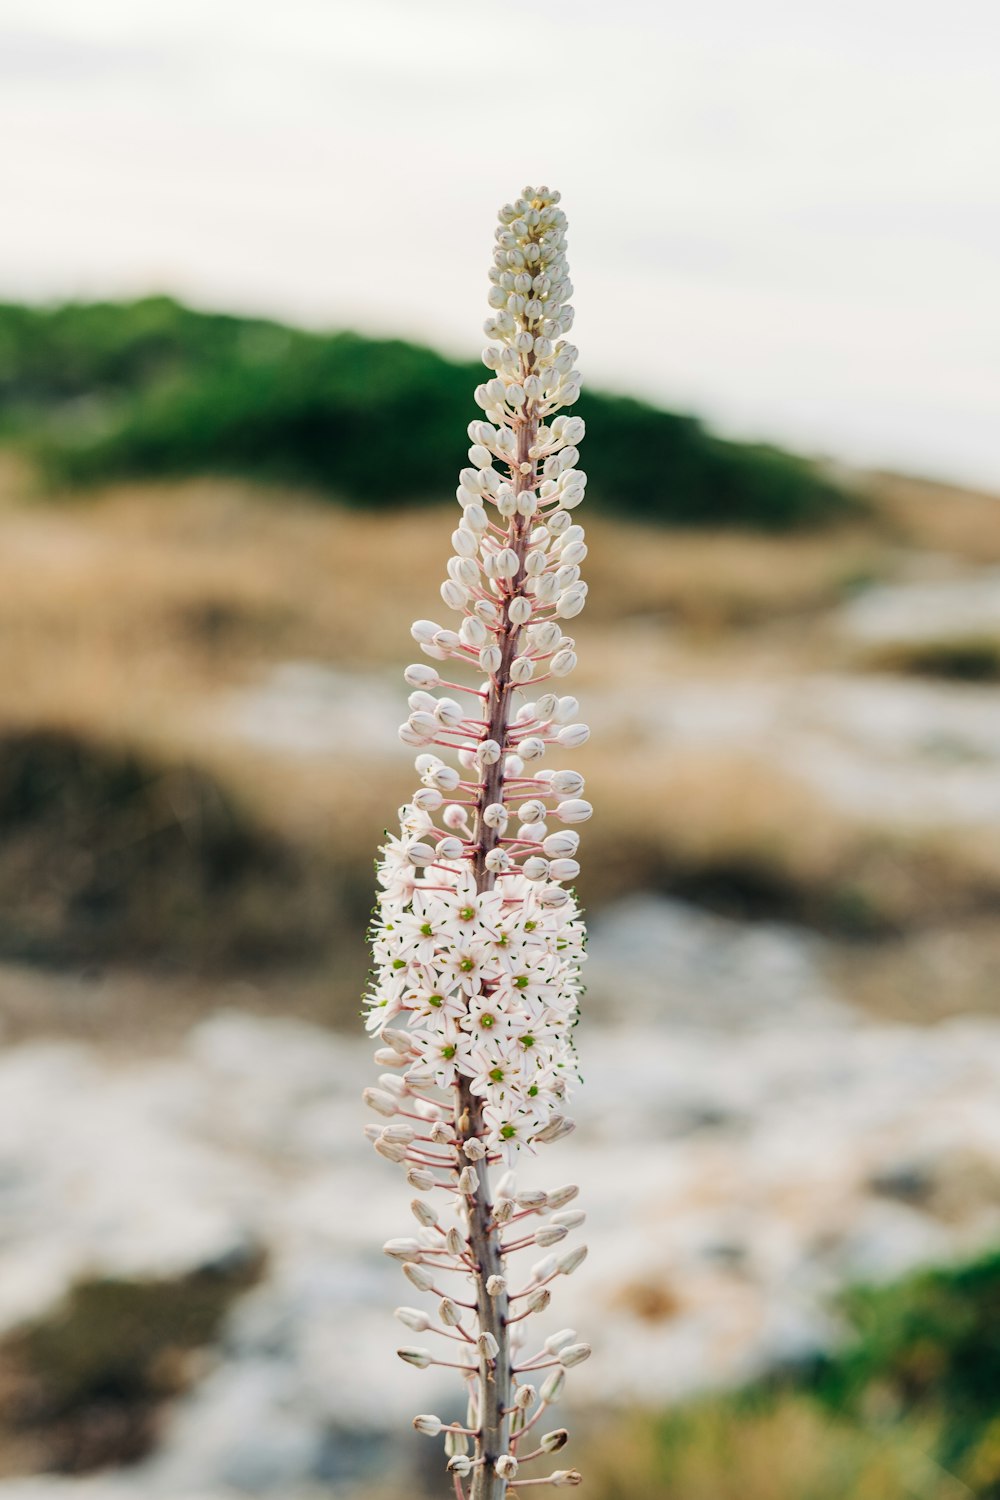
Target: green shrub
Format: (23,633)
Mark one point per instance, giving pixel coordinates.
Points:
(153,388)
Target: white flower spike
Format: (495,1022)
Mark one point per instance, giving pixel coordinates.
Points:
(478,945)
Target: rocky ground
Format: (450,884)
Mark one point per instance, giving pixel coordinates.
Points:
(748,1144)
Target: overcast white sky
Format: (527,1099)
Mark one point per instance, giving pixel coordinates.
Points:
(785,214)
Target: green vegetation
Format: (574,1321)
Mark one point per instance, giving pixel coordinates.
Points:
(907,1409)
(152,388)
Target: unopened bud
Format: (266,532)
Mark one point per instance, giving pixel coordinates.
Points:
(413,1317)
(538,1300)
(533,1198)
(423,1280)
(565,1479)
(552,1388)
(560,1340)
(571,1219)
(430,1426)
(455,1443)
(474,1148)
(496,1286)
(574,1355)
(503,1210)
(506,1466)
(468,1180)
(526,1396)
(423,1213)
(488,1345)
(380,1100)
(567,1263)
(390,1150)
(454,1241)
(561,1196)
(550,1234)
(402,1249)
(419,1357)
(420,1178)
(551,1442)
(460,1465)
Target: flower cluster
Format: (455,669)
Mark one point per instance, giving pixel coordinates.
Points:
(478,941)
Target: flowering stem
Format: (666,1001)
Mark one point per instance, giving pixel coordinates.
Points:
(484,1236)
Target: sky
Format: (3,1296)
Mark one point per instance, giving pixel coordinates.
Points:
(784,214)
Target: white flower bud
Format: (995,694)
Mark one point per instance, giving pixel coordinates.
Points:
(390,1150)
(424,631)
(414,1318)
(571,736)
(575,1354)
(429,1426)
(568,1262)
(561,1196)
(421,1278)
(496,816)
(489,753)
(449,849)
(468,1180)
(475,519)
(538,1300)
(531,748)
(535,868)
(560,1340)
(563,869)
(454,1241)
(427,799)
(551,1442)
(503,1209)
(472,632)
(564,842)
(522,669)
(379,1100)
(497,861)
(488,1346)
(474,1148)
(575,810)
(460,1465)
(552,1387)
(506,563)
(495,1286)
(506,1466)
(525,1397)
(572,1218)
(455,1443)
(421,1179)
(423,1213)
(531,811)
(402,1249)
(449,1313)
(550,1234)
(489,659)
(419,1357)
(420,854)
(519,610)
(532,1198)
(565,1479)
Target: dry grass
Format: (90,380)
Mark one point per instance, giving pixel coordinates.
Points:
(782,1449)
(123,618)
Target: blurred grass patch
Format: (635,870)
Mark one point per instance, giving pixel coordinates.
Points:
(82,1386)
(961,659)
(906,1410)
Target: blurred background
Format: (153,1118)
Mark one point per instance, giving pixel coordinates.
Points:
(242,274)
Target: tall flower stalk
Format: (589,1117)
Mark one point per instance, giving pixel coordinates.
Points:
(477,941)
